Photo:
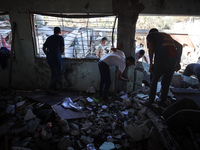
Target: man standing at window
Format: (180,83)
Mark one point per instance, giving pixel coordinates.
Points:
(100,49)
(53,48)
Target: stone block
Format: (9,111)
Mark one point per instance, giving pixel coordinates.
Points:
(138,132)
(64,143)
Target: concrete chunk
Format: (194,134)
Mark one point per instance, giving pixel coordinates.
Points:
(64,143)
(29,115)
(138,132)
(32,125)
(107,146)
(86,140)
(65,126)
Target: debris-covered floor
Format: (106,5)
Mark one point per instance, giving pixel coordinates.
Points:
(80,121)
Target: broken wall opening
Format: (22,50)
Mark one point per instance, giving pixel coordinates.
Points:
(5,40)
(184,29)
(82,33)
(5,31)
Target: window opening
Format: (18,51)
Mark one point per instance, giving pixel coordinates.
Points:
(184,29)
(81,35)
(5,31)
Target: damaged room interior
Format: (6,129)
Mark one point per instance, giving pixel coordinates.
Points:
(100,75)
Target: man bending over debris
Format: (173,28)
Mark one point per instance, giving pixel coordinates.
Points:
(192,69)
(167,53)
(118,59)
(53,48)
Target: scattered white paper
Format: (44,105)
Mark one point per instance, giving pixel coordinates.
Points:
(90,100)
(125,112)
(104,107)
(124,96)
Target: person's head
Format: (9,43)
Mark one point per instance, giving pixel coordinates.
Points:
(130,61)
(140,54)
(104,40)
(57,30)
(141,45)
(153,30)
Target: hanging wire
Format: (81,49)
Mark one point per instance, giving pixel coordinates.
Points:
(62,26)
(113,30)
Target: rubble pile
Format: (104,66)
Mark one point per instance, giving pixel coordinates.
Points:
(119,123)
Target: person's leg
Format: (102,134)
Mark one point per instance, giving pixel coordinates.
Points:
(105,79)
(158,70)
(153,87)
(56,77)
(166,80)
(102,80)
(53,74)
(107,82)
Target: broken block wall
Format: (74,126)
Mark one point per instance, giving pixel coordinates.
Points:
(78,74)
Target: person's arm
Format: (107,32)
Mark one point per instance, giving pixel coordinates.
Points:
(114,49)
(99,54)
(179,48)
(62,45)
(119,76)
(62,49)
(91,52)
(151,51)
(99,51)
(44,49)
(145,59)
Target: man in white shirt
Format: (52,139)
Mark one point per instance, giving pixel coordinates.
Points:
(139,54)
(100,49)
(118,59)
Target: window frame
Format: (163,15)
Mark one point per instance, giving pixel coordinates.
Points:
(65,15)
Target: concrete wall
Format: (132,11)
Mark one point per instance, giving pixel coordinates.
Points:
(25,69)
(171,7)
(178,7)
(77,75)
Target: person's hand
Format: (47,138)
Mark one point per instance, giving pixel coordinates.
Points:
(150,69)
(114,49)
(128,80)
(178,67)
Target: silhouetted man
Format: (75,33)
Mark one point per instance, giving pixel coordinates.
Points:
(164,54)
(53,48)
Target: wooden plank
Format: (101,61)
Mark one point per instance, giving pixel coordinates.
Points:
(49,99)
(64,113)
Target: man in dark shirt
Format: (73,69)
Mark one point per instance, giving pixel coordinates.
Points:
(53,48)
(192,69)
(167,53)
